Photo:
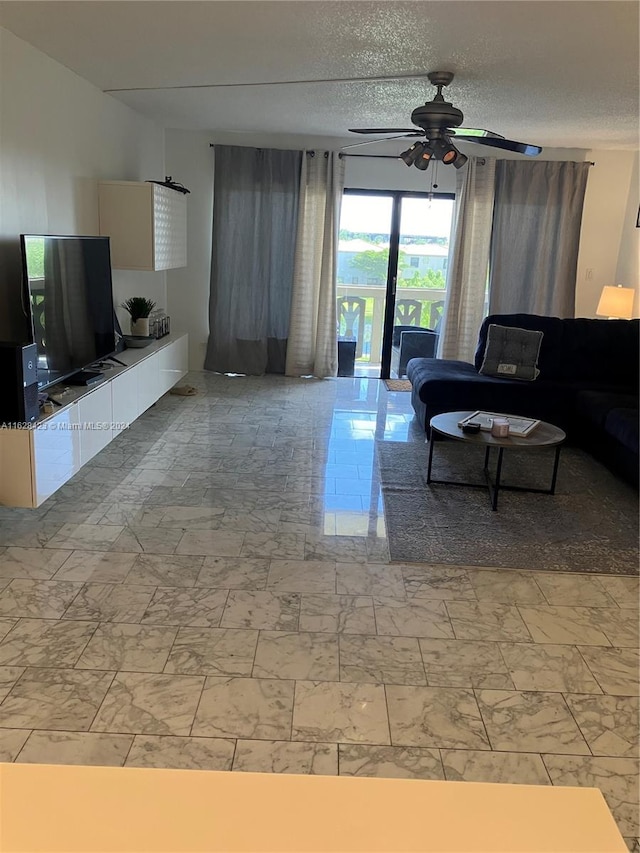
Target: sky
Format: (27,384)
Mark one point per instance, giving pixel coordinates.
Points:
(419,215)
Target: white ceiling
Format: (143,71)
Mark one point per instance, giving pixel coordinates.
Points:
(561,74)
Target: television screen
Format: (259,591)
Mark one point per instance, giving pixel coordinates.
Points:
(71,302)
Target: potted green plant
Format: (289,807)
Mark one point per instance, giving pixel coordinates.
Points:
(139,308)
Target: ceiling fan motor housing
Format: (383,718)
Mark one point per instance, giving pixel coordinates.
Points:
(437,115)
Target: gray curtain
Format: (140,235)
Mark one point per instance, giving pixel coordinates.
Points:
(469,259)
(313,345)
(536,234)
(255,212)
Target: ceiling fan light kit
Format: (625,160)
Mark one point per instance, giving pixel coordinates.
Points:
(415,153)
(421,153)
(438,121)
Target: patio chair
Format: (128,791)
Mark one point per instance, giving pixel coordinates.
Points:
(407,312)
(435,314)
(350,314)
(411,342)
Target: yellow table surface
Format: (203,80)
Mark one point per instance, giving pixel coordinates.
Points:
(62,808)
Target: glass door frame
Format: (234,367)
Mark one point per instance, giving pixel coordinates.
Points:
(396,197)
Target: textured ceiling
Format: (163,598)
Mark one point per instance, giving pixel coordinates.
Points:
(551,73)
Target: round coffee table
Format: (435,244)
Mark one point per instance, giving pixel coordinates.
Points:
(544,435)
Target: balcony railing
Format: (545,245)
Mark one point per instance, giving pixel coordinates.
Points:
(375,296)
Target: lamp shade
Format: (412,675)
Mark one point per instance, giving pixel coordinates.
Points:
(616,302)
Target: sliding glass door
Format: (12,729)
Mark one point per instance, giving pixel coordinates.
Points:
(363,270)
(392,261)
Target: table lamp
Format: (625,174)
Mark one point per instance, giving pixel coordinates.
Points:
(616,303)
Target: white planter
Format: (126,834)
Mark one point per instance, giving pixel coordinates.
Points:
(140,327)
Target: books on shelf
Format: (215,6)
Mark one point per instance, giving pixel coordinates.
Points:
(517,425)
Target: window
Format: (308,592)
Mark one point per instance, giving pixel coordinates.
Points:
(414,262)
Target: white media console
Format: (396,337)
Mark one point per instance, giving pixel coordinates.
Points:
(36,461)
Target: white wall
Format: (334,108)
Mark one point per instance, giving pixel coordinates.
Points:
(189,160)
(608,240)
(58,136)
(365,173)
(627,270)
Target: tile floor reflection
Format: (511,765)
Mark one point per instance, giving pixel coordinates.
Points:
(214,591)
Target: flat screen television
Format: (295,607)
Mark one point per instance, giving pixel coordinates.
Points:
(70,295)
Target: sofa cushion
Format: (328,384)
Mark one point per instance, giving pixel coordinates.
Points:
(511,353)
(552,328)
(622,425)
(592,407)
(601,352)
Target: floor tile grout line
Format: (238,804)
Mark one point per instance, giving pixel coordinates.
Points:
(177,629)
(103,700)
(578,726)
(233,757)
(126,758)
(17,755)
(482,719)
(198,703)
(506,665)
(293,708)
(24,669)
(388,713)
(586,662)
(451,622)
(255,652)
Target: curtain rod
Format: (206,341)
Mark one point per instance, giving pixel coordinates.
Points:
(386,156)
(375,156)
(393,157)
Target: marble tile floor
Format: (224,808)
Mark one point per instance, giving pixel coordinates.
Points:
(214,591)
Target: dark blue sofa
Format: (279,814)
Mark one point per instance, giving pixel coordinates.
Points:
(588,384)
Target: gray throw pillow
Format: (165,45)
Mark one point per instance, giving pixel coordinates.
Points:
(511,353)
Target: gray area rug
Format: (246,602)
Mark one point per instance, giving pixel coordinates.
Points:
(589,525)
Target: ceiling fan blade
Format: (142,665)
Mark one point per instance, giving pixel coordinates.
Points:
(414,130)
(373,141)
(504,144)
(473,131)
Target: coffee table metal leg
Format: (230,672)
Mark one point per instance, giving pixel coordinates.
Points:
(554,476)
(432,441)
(496,487)
(487,455)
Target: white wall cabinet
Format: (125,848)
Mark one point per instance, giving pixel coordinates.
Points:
(56,452)
(95,413)
(36,462)
(147,224)
(124,400)
(173,363)
(148,373)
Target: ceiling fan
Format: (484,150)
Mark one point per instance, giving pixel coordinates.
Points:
(439,122)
